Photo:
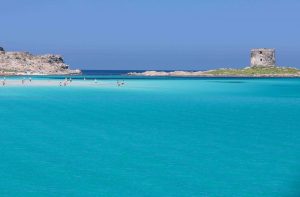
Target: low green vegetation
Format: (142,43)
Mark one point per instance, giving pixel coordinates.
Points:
(256,71)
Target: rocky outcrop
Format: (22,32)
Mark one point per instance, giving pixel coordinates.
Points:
(24,63)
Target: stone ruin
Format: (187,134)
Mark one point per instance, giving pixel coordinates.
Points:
(263,57)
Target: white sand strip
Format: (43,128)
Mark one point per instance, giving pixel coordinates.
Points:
(54,82)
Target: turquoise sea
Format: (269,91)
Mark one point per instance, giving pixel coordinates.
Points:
(209,137)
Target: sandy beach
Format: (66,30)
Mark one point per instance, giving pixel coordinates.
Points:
(58,83)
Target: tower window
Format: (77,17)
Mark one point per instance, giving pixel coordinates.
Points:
(261,60)
(260,52)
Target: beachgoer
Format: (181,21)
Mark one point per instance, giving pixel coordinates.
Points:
(29,79)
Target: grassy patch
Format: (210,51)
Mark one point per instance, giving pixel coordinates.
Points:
(256,71)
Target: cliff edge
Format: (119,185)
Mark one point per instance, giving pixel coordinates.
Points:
(24,63)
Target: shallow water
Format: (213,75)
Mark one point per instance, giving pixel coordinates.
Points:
(152,137)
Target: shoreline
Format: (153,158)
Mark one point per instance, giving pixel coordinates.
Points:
(94,82)
(63,82)
(43,83)
(76,73)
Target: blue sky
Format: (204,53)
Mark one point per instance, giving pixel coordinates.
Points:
(152,34)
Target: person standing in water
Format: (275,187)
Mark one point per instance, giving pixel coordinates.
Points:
(65,83)
(118,83)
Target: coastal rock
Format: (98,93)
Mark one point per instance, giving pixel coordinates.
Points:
(24,63)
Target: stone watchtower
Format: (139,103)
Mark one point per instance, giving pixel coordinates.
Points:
(263,57)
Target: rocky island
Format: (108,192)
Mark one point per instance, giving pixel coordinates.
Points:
(263,64)
(24,63)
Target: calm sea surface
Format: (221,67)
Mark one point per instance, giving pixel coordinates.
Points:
(153,137)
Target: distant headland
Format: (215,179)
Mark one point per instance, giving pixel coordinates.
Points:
(24,63)
(263,64)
